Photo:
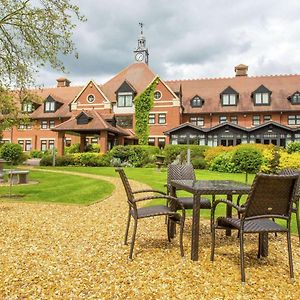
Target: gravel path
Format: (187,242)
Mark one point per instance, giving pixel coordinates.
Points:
(76,252)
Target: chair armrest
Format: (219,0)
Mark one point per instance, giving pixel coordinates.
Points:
(170,198)
(238,208)
(148,191)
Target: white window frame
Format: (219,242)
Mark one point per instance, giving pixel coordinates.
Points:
(126,99)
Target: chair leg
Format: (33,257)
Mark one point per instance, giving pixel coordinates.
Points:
(213,239)
(290,255)
(133,238)
(242,257)
(298,221)
(127,228)
(181,238)
(168,228)
(259,245)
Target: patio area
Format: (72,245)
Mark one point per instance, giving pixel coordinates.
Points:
(64,251)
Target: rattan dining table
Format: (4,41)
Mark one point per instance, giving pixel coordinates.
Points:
(210,187)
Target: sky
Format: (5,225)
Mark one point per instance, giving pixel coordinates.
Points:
(186,38)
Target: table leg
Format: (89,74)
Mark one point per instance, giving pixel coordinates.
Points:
(264,244)
(228,213)
(195,228)
(172,224)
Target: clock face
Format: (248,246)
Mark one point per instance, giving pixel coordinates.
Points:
(139,56)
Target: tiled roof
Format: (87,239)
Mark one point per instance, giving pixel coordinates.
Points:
(63,95)
(137,75)
(97,123)
(282,86)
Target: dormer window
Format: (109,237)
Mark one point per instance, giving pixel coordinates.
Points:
(261,96)
(197,101)
(49,106)
(229,97)
(124,99)
(125,94)
(27,107)
(295,98)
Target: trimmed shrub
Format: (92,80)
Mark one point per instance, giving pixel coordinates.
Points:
(289,160)
(199,163)
(74,148)
(212,152)
(46,160)
(293,147)
(36,154)
(92,148)
(247,159)
(12,152)
(172,152)
(223,163)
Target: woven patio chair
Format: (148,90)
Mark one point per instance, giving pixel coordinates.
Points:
(185,172)
(295,207)
(151,211)
(271,197)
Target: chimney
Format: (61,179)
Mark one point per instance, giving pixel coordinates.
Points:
(241,70)
(63,82)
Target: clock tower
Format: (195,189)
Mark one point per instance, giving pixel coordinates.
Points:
(141,53)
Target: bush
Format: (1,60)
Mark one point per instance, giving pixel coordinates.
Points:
(36,154)
(13,153)
(212,152)
(46,160)
(172,152)
(74,148)
(287,160)
(247,159)
(223,163)
(92,148)
(199,163)
(293,147)
(133,155)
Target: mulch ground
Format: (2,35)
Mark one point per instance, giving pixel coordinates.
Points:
(77,252)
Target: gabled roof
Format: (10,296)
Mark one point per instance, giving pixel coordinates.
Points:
(186,125)
(228,124)
(275,124)
(97,123)
(138,74)
(281,86)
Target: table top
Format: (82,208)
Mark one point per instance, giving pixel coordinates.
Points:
(212,187)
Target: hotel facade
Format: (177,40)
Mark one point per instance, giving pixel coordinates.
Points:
(216,111)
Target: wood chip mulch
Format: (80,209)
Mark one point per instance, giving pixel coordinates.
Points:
(76,252)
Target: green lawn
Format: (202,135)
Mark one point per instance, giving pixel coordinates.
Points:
(157,180)
(60,188)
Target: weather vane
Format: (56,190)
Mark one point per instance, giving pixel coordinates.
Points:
(142,25)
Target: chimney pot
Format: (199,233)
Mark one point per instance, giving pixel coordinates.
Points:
(241,70)
(63,82)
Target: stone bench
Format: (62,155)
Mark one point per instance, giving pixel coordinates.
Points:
(18,176)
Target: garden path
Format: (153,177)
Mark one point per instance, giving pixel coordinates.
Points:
(67,251)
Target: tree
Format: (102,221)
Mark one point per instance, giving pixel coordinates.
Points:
(33,34)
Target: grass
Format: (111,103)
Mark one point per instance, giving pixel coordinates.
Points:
(60,188)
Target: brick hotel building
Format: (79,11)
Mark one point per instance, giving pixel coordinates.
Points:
(217,111)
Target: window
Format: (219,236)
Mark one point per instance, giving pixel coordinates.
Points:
(161,118)
(229,99)
(161,142)
(157,95)
(43,145)
(51,124)
(68,142)
(294,120)
(295,98)
(261,98)
(21,143)
(124,100)
(151,141)
(49,106)
(27,107)
(51,144)
(234,119)
(222,119)
(44,125)
(267,118)
(90,98)
(151,119)
(198,121)
(255,120)
(197,102)
(27,145)
(22,126)
(124,121)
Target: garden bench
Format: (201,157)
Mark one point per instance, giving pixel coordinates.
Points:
(18,176)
